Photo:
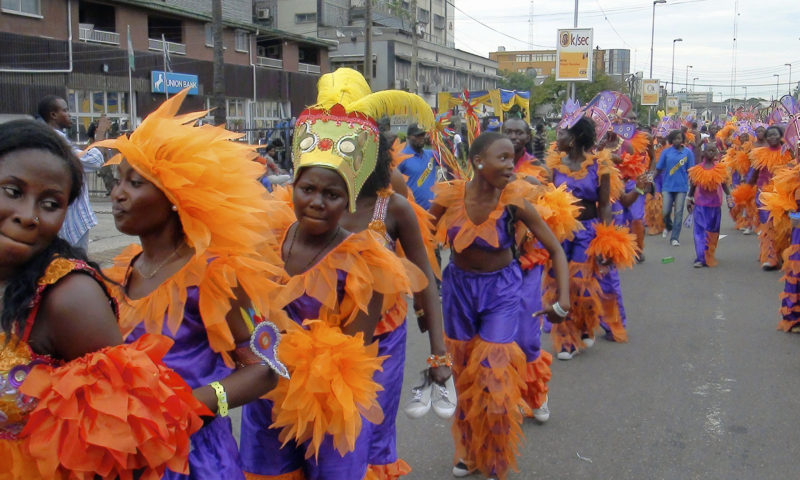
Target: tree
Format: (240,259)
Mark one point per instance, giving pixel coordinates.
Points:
(517,81)
(551,91)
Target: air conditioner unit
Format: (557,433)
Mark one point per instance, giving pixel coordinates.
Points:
(263,14)
(420,30)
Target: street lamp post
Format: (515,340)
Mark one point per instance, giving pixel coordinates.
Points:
(694,80)
(745,94)
(672,82)
(686,84)
(777,85)
(652,33)
(790,77)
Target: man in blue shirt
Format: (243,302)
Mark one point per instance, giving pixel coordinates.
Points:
(421,167)
(675,162)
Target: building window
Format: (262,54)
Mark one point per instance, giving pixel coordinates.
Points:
(305,18)
(87,106)
(28,7)
(209,35)
(242,41)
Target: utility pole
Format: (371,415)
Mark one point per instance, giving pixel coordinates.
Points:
(220,115)
(414,48)
(368,42)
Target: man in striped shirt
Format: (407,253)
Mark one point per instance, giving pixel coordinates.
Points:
(80,217)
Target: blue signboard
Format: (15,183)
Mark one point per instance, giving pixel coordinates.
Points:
(172,82)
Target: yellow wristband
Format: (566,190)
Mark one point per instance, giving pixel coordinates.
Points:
(222,399)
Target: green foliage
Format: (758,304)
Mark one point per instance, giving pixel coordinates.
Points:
(516,81)
(551,91)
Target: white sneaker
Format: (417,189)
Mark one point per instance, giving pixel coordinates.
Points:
(420,402)
(747,231)
(444,398)
(542,414)
(460,469)
(565,355)
(665,233)
(675,243)
(588,341)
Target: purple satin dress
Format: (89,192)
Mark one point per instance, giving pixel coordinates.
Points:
(707,220)
(260,447)
(214,454)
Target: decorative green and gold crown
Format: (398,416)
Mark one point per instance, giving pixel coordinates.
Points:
(341,131)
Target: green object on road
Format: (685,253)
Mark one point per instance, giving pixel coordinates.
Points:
(667,259)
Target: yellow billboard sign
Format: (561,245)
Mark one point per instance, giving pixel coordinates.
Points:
(574,55)
(672,105)
(650,89)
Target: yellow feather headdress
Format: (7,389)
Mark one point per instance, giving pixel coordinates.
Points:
(340,131)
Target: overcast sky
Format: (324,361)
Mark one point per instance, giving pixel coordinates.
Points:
(768,36)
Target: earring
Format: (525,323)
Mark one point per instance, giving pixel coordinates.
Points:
(480,166)
(36,220)
(174,208)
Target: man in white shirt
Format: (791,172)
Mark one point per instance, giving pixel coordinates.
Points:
(80,216)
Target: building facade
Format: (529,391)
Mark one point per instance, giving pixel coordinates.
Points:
(543,62)
(78,49)
(440,66)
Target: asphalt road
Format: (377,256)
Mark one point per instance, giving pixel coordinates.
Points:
(706,388)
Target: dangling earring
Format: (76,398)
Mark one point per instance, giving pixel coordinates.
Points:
(174,208)
(480,166)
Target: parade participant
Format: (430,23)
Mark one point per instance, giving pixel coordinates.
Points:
(409,231)
(766,161)
(589,178)
(317,424)
(482,302)
(519,132)
(737,160)
(674,162)
(420,167)
(654,219)
(74,401)
(709,179)
(192,197)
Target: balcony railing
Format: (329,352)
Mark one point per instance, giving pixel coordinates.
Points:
(172,47)
(269,62)
(88,33)
(307,68)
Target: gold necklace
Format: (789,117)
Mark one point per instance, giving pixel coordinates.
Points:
(160,265)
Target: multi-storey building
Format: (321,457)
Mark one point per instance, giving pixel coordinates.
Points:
(543,62)
(441,67)
(78,49)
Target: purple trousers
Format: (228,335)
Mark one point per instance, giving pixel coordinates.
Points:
(706,232)
(383,447)
(485,304)
(529,330)
(214,454)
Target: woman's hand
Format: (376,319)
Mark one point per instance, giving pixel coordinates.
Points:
(644,180)
(689,204)
(552,316)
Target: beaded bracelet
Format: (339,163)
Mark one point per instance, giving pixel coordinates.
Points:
(445,360)
(222,399)
(639,191)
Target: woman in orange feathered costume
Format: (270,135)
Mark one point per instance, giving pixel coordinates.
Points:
(191,194)
(482,302)
(337,286)
(74,401)
(708,179)
(766,161)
